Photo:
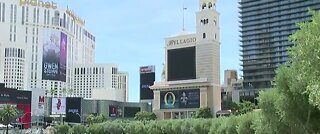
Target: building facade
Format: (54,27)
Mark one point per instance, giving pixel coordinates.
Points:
(265,28)
(192,69)
(100,81)
(229,77)
(77,109)
(40,42)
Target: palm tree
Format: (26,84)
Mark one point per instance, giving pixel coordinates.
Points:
(53,91)
(7,114)
(69,92)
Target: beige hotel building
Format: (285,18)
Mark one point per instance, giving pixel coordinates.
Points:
(191,77)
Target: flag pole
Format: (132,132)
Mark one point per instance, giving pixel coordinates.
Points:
(183,8)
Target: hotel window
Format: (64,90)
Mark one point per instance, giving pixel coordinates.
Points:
(45,16)
(38,15)
(15,14)
(34,15)
(22,20)
(11,14)
(48,16)
(3,12)
(27,14)
(0,10)
(204,35)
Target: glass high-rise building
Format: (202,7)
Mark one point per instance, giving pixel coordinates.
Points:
(265,28)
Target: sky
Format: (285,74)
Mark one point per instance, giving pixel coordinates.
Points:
(131,33)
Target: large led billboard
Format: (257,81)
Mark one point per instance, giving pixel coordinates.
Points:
(73,109)
(147,78)
(58,106)
(54,55)
(181,64)
(180,99)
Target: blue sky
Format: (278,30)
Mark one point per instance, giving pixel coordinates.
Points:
(131,33)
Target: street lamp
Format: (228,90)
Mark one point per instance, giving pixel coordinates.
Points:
(79,117)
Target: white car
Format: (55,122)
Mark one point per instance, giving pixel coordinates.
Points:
(4,126)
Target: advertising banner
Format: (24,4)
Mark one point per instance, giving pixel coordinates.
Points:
(58,106)
(54,55)
(73,113)
(63,57)
(7,96)
(22,101)
(180,99)
(115,111)
(147,78)
(41,102)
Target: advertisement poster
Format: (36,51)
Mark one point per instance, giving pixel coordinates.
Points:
(63,57)
(41,102)
(54,55)
(58,106)
(147,78)
(180,99)
(115,111)
(73,109)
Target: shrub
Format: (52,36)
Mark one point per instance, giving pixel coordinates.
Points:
(245,123)
(62,129)
(145,116)
(204,112)
(78,129)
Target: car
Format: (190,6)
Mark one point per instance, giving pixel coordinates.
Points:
(5,126)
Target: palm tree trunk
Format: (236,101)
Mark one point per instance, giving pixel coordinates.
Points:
(7,129)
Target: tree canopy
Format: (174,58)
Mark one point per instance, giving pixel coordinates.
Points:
(293,105)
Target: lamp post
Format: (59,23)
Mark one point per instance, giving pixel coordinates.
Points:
(79,117)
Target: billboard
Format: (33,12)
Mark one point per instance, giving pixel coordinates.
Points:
(180,99)
(147,78)
(22,100)
(73,109)
(130,112)
(115,111)
(54,55)
(7,96)
(24,105)
(58,106)
(38,101)
(181,64)
(63,57)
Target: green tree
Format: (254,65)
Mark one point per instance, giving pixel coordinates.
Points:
(204,112)
(145,116)
(90,119)
(52,91)
(305,57)
(230,105)
(245,123)
(295,101)
(245,107)
(7,114)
